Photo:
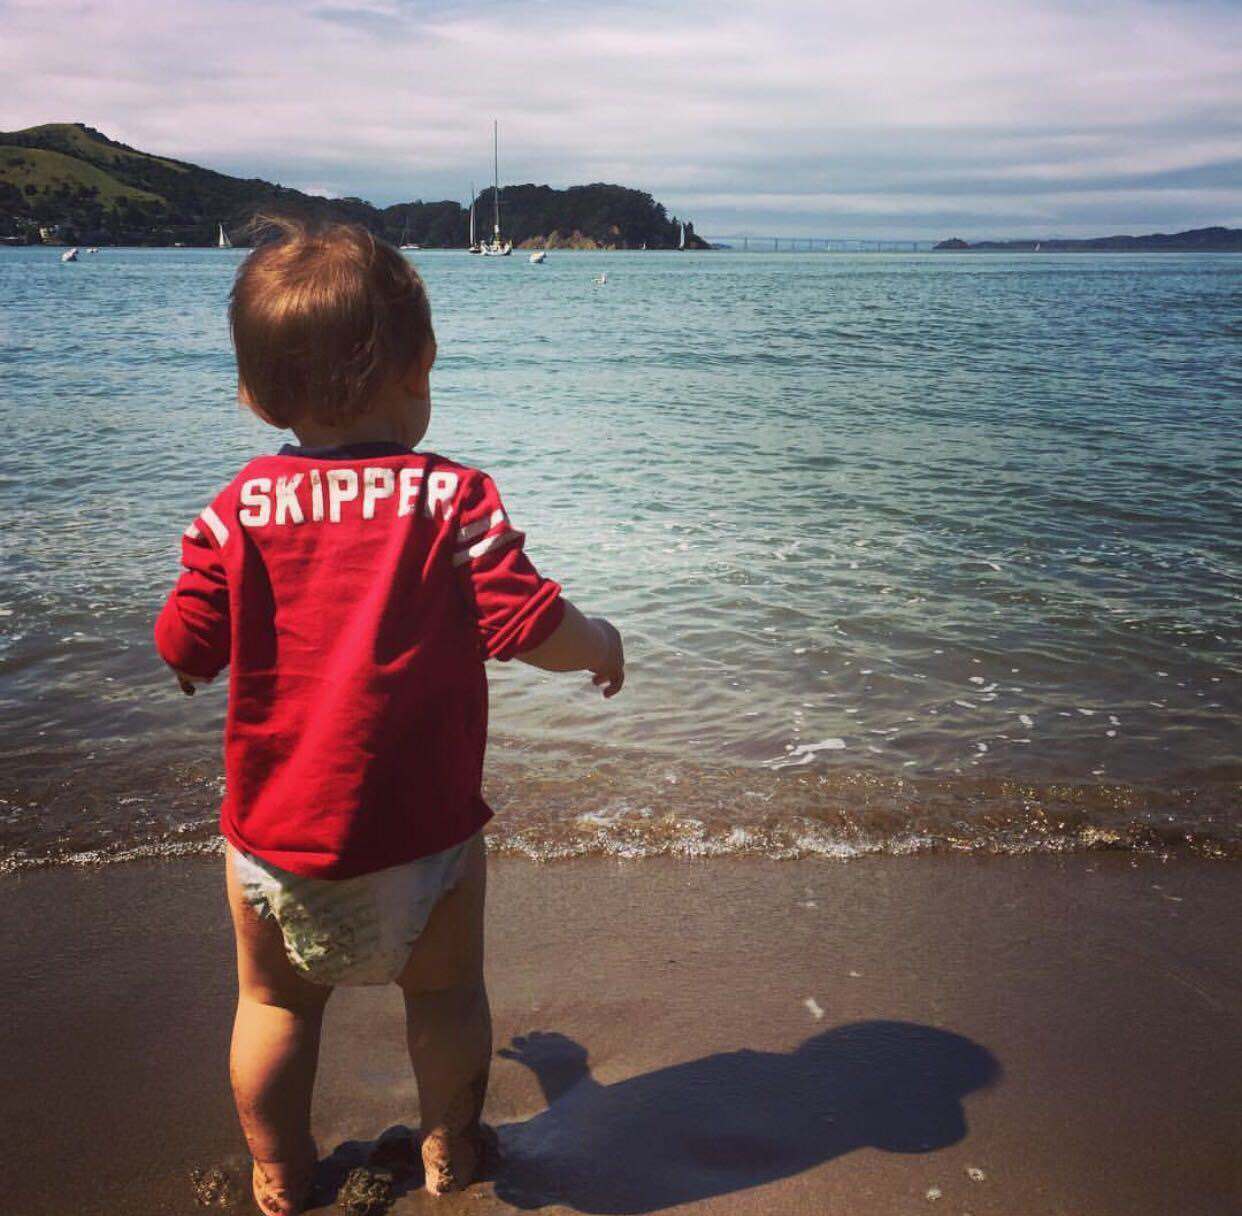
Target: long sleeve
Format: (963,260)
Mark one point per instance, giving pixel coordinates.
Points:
(514,607)
(192,631)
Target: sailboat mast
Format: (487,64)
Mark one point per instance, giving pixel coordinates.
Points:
(496,175)
(472,241)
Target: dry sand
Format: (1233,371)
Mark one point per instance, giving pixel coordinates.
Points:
(899,1035)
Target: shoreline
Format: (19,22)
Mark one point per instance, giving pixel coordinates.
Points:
(785,1036)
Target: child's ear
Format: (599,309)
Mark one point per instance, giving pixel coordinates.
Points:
(415,380)
(244,398)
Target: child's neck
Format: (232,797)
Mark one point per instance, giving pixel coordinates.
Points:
(373,428)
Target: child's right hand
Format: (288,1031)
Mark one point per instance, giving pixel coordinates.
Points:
(186,681)
(609,674)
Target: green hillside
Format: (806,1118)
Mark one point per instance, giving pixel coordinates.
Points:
(37,172)
(75,139)
(94,190)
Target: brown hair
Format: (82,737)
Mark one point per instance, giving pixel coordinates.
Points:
(323,316)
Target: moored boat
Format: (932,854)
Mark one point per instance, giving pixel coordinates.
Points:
(496,248)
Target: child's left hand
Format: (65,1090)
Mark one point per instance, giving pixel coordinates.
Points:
(187,681)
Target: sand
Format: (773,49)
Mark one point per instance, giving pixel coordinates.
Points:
(943,1034)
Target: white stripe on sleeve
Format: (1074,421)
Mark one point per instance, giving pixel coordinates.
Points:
(192,532)
(496,541)
(468,532)
(215,525)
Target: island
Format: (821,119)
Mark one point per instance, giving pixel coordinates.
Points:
(1195,240)
(68,184)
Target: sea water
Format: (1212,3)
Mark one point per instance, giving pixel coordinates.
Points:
(909,551)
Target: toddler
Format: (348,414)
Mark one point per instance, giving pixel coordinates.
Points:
(354,588)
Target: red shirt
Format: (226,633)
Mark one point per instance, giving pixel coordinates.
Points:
(354,594)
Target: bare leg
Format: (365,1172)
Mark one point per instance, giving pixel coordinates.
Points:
(274,1057)
(449,1029)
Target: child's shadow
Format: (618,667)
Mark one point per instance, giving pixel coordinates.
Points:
(732,1121)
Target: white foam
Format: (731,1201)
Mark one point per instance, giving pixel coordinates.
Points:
(824,745)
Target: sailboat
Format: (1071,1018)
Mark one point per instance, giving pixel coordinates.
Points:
(475,247)
(406,243)
(223,242)
(495,248)
(681,240)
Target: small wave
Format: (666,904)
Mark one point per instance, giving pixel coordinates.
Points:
(593,803)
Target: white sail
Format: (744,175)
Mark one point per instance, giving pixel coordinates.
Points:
(223,242)
(496,180)
(681,240)
(496,248)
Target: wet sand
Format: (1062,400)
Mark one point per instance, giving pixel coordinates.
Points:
(993,1036)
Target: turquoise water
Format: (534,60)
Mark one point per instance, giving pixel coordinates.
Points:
(909,550)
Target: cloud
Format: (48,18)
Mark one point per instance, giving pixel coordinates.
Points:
(890,117)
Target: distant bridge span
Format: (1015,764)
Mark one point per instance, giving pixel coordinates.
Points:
(749,242)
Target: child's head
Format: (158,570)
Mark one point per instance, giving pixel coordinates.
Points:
(331,325)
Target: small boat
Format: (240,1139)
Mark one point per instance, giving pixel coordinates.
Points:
(538,256)
(93,249)
(600,279)
(496,248)
(70,255)
(406,243)
(223,241)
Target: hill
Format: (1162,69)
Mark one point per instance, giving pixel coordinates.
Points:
(84,188)
(1195,240)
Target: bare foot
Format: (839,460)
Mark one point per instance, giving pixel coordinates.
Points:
(449,1162)
(453,1162)
(281,1189)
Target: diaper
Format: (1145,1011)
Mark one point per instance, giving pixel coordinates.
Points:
(350,930)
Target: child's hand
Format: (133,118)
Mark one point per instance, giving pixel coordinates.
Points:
(610,674)
(187,681)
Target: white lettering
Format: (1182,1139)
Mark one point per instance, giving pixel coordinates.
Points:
(342,487)
(316,495)
(411,480)
(287,505)
(257,503)
(377,483)
(440,490)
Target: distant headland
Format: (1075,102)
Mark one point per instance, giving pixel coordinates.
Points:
(1196,240)
(66,183)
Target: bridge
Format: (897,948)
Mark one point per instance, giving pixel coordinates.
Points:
(749,242)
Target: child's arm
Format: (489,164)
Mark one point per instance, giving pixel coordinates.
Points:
(192,631)
(518,613)
(582,643)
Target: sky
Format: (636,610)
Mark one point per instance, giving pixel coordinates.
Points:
(871,118)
